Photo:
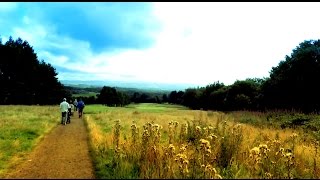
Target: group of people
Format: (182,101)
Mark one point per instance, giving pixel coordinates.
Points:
(66,109)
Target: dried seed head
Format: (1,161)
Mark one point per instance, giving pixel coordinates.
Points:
(255,151)
(198,128)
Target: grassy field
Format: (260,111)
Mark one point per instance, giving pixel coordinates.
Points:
(21,127)
(88,94)
(170,141)
(164,141)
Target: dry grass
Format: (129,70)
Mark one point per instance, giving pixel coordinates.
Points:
(154,145)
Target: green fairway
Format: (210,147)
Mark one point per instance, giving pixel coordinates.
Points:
(152,107)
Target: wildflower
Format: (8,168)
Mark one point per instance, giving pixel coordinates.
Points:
(183,148)
(269,175)
(255,151)
(204,142)
(294,135)
(171,147)
(289,155)
(263,146)
(208,168)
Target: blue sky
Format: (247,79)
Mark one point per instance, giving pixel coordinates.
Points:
(194,43)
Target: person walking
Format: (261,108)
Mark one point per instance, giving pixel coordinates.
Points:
(81,106)
(64,110)
(75,103)
(71,108)
(69,112)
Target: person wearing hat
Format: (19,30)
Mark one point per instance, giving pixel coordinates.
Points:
(64,109)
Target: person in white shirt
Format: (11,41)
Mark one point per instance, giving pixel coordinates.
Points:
(64,109)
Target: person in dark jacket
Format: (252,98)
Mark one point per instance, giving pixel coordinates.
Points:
(80,107)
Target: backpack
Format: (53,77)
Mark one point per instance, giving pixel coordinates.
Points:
(80,104)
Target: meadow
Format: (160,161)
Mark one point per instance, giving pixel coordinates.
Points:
(86,94)
(166,141)
(21,128)
(171,141)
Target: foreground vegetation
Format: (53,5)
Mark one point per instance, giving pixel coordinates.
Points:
(170,141)
(148,141)
(21,128)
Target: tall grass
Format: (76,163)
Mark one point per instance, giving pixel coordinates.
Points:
(21,128)
(171,142)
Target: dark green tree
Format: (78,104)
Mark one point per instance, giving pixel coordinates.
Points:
(25,80)
(293,84)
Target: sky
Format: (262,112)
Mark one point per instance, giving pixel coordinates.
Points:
(164,42)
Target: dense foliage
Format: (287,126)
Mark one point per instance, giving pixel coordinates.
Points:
(292,85)
(26,80)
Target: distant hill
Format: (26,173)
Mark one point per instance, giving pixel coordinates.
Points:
(121,84)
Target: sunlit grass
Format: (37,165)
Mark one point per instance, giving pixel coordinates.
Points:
(21,127)
(152,148)
(229,152)
(89,94)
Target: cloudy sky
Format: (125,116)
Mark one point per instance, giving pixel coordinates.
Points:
(194,43)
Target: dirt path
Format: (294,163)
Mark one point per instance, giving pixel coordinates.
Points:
(64,153)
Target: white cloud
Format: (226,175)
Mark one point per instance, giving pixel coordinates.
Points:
(199,43)
(233,42)
(7,6)
(58,60)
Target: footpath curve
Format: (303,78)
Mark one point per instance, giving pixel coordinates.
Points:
(63,153)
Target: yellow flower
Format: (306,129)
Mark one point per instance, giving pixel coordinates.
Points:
(171,147)
(205,142)
(289,154)
(185,162)
(294,135)
(198,128)
(255,151)
(263,146)
(208,151)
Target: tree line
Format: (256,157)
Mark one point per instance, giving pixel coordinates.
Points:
(293,84)
(26,80)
